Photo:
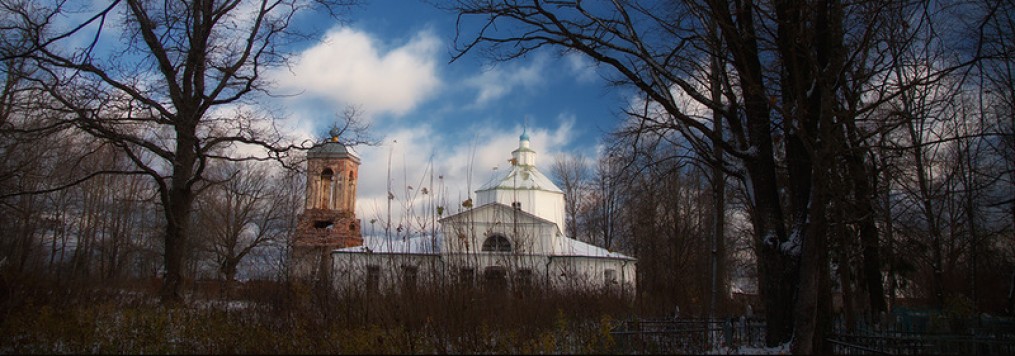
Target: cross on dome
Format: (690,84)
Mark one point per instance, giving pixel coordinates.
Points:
(334,132)
(525,130)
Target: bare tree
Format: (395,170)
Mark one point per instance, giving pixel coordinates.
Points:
(168,88)
(572,173)
(997,107)
(785,98)
(240,215)
(604,200)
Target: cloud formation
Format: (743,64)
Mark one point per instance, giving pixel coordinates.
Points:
(581,67)
(351,67)
(497,82)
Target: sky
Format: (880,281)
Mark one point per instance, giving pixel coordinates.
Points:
(455,122)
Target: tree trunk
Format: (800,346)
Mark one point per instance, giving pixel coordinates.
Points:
(871,254)
(889,230)
(718,185)
(178,208)
(848,310)
(813,306)
(864,209)
(777,271)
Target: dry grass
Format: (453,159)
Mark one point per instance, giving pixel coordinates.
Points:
(291,318)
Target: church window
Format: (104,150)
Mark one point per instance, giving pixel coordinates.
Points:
(466,277)
(327,189)
(497,243)
(516,205)
(352,227)
(373,278)
(610,276)
(495,279)
(409,276)
(323,224)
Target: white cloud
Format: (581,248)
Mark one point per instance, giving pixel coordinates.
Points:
(350,67)
(583,69)
(495,83)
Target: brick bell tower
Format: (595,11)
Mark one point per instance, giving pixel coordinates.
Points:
(328,221)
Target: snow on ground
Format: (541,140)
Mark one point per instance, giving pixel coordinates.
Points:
(751,350)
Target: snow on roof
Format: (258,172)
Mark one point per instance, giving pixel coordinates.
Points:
(381,244)
(522,177)
(429,245)
(572,247)
(496,205)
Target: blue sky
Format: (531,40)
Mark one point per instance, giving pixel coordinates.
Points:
(391,58)
(459,121)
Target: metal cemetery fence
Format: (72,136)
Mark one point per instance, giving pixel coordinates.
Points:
(693,336)
(696,336)
(923,332)
(920,344)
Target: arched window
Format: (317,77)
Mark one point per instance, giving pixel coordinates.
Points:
(327,189)
(497,243)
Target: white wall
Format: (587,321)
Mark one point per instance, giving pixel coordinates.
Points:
(466,232)
(351,269)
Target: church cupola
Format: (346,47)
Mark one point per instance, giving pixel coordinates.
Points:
(525,188)
(523,156)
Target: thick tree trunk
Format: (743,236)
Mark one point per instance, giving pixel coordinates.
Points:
(777,271)
(177,210)
(848,309)
(813,304)
(173,258)
(864,206)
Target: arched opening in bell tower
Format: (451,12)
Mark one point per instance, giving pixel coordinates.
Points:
(327,189)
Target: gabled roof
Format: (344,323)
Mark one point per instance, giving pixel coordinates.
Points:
(498,206)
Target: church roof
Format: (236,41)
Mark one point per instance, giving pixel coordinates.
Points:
(425,245)
(523,174)
(575,248)
(523,177)
(331,149)
(398,245)
(500,206)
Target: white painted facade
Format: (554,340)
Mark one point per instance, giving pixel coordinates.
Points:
(512,237)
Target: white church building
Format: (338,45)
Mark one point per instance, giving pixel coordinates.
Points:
(511,238)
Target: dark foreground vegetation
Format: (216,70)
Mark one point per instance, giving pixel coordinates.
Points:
(41,317)
(823,159)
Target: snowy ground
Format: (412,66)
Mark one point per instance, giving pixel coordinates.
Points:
(748,350)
